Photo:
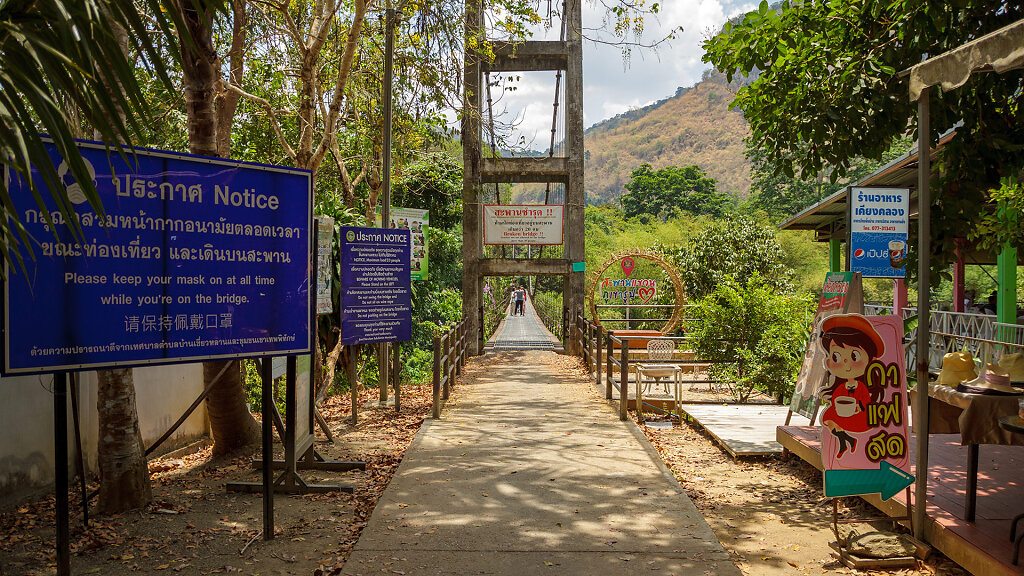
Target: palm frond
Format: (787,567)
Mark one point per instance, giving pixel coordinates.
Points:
(60,54)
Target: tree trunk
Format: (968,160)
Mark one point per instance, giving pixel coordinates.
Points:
(124,476)
(231,424)
(230,420)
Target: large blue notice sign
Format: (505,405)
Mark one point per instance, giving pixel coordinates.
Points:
(195,258)
(376,295)
(878,231)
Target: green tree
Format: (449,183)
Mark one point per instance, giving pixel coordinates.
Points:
(66,68)
(828,91)
(662,192)
(780,196)
(753,334)
(210,112)
(736,246)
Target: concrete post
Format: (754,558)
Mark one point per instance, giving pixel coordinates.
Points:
(575,250)
(899,296)
(958,278)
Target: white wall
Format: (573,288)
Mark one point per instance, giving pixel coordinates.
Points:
(162,394)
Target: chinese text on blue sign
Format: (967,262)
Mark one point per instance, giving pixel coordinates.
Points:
(376,297)
(195,258)
(878,231)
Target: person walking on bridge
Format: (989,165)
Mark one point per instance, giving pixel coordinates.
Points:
(519,297)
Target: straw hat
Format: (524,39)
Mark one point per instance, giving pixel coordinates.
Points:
(995,380)
(1014,366)
(957,367)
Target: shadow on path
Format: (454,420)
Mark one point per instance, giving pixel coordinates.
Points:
(529,473)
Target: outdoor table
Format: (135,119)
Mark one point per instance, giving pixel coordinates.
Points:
(976,418)
(1014,424)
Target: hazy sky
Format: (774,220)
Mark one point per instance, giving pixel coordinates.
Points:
(613,85)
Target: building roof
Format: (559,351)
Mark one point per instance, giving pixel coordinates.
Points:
(828,217)
(999,51)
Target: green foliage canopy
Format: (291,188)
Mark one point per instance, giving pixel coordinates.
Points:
(828,91)
(754,334)
(781,196)
(662,192)
(736,246)
(59,61)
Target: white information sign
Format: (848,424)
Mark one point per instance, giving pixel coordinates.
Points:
(325,233)
(535,224)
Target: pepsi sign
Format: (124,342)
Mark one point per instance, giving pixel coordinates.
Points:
(878,231)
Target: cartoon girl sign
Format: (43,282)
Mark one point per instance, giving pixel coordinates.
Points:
(864,421)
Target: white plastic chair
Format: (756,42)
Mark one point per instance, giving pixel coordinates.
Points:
(659,350)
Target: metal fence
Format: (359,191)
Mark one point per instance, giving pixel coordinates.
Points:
(978,334)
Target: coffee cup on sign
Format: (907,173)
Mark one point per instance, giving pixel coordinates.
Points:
(846,406)
(897,253)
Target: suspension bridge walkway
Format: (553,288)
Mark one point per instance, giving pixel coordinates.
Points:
(530,471)
(525,332)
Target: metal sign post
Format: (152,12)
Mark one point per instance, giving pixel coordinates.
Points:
(60,465)
(296,430)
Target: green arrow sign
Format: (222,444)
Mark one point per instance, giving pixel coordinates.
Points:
(887,480)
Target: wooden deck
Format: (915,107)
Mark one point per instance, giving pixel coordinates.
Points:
(742,429)
(982,547)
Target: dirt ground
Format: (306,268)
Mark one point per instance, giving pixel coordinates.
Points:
(194,526)
(769,514)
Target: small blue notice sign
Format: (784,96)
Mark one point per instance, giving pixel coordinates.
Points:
(194,259)
(376,291)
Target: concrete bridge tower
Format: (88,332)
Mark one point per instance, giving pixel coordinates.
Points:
(567,169)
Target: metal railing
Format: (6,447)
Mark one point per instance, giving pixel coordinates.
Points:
(978,334)
(630,321)
(597,347)
(449,360)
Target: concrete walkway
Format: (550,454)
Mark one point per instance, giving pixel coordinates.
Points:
(530,472)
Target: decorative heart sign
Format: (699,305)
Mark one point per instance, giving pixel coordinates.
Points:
(627,266)
(646,294)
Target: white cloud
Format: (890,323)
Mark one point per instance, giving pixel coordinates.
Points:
(612,84)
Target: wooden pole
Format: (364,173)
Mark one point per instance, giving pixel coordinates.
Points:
(437,377)
(608,373)
(446,365)
(624,381)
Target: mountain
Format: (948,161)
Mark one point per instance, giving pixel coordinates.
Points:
(693,127)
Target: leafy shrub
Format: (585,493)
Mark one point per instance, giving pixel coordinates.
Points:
(738,246)
(753,334)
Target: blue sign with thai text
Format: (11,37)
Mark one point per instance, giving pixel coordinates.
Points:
(879,220)
(194,259)
(376,291)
